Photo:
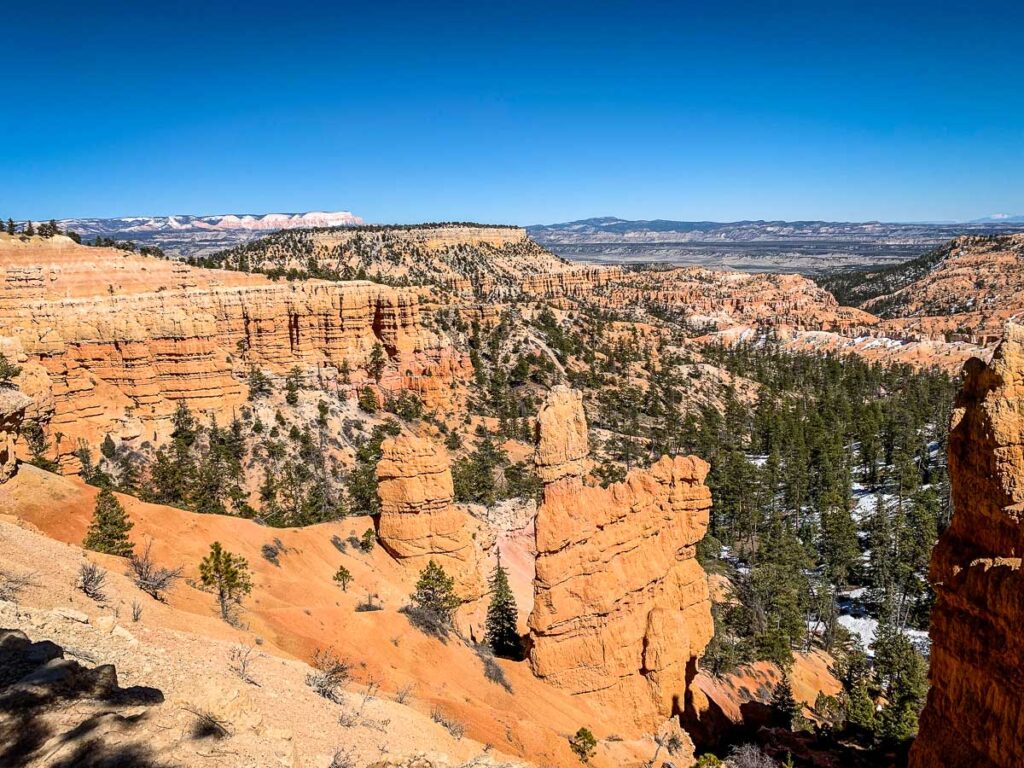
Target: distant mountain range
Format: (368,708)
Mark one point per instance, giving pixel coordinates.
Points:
(1000,218)
(188,235)
(777,246)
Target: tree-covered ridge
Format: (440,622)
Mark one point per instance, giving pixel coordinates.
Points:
(877,290)
(398,255)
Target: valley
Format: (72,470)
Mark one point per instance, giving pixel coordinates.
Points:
(695,488)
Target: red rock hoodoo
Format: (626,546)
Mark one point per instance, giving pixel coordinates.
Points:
(418,521)
(622,610)
(974,715)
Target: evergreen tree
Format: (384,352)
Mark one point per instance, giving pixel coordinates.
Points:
(107,447)
(435,594)
(784,703)
(30,230)
(227,574)
(343,577)
(8,371)
(259,384)
(904,678)
(377,362)
(291,386)
(502,614)
(108,532)
(10,227)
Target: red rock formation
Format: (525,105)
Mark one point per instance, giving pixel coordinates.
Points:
(123,338)
(622,610)
(418,521)
(974,715)
(570,281)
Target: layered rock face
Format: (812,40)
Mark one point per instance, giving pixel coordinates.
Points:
(12,410)
(725,299)
(622,610)
(974,715)
(124,338)
(418,521)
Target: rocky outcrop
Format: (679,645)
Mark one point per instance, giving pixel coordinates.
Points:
(622,610)
(418,521)
(124,338)
(12,410)
(569,282)
(55,711)
(974,715)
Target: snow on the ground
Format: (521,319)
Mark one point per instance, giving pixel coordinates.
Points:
(865,628)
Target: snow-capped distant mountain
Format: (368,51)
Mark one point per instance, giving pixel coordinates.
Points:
(1000,218)
(187,235)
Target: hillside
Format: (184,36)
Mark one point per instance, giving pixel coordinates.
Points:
(487,259)
(590,424)
(966,289)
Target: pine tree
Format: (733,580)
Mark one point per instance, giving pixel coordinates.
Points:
(30,230)
(343,577)
(7,372)
(226,573)
(903,674)
(435,594)
(259,384)
(108,532)
(377,362)
(784,703)
(502,614)
(345,372)
(107,447)
(10,227)
(291,386)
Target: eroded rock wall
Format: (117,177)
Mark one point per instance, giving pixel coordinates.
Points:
(621,610)
(975,710)
(124,338)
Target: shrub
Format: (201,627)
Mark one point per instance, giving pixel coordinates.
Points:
(149,577)
(8,371)
(329,675)
(206,725)
(91,579)
(240,661)
(13,584)
(453,726)
(368,540)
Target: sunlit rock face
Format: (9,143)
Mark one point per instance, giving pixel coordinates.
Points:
(622,610)
(974,715)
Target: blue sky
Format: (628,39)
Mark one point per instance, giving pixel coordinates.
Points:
(514,112)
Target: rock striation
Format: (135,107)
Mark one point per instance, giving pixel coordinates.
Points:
(418,521)
(12,410)
(124,338)
(974,715)
(621,610)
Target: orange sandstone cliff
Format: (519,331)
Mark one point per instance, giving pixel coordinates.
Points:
(974,715)
(622,610)
(123,338)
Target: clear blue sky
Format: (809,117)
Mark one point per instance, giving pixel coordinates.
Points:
(520,112)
